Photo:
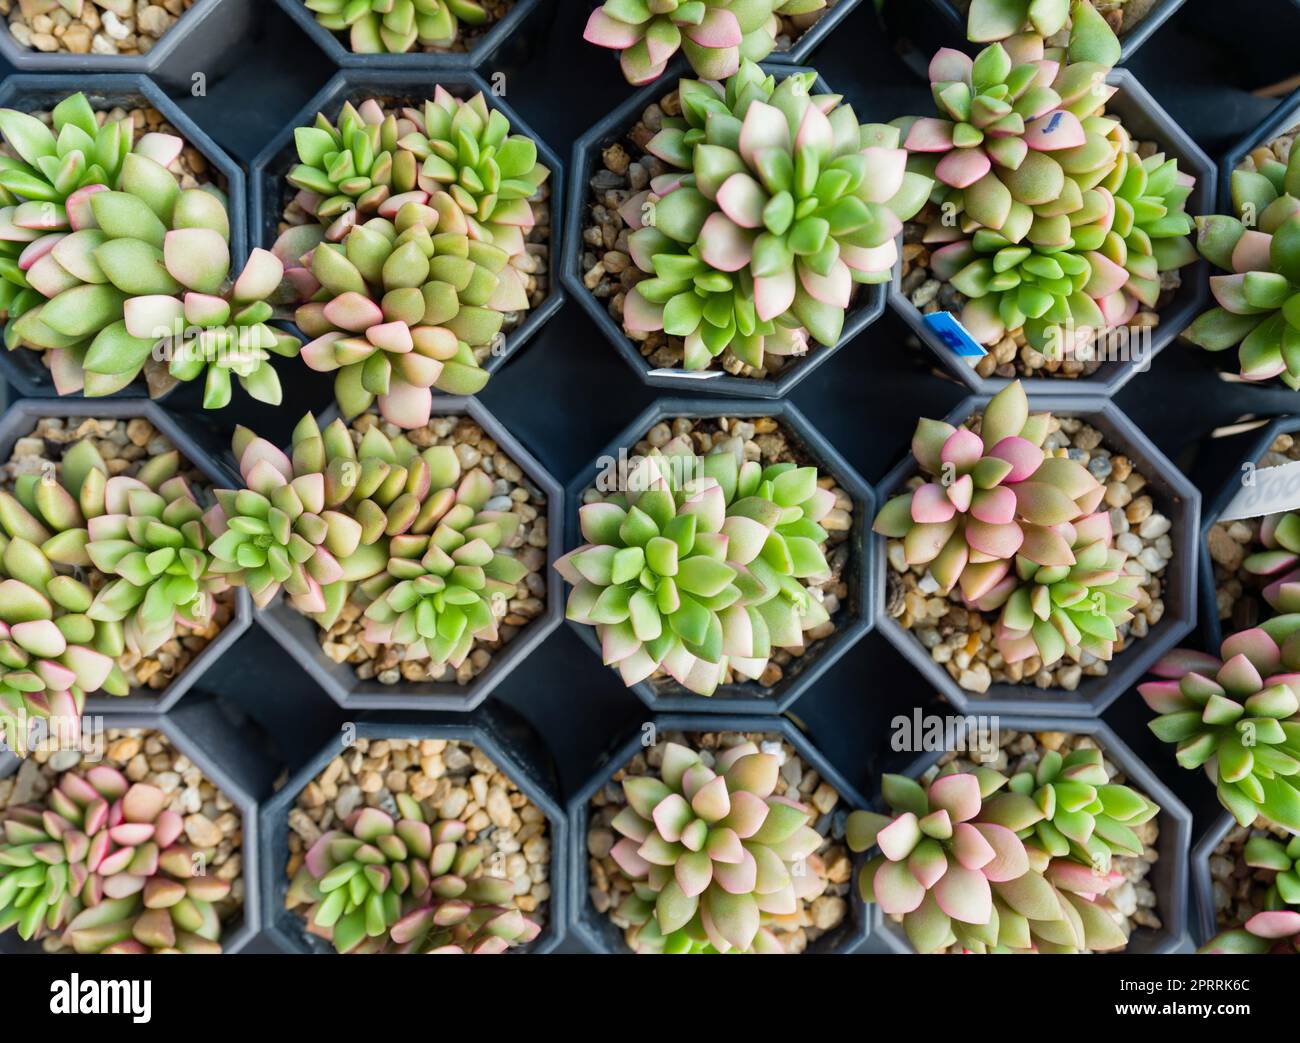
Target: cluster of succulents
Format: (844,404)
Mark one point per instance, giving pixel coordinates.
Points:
(119,265)
(715,35)
(713,855)
(104,866)
(1257,304)
(695,568)
(418,252)
(1275,928)
(1050,221)
(406,884)
(1015,529)
(776,203)
(398,26)
(402,531)
(1238,717)
(983,863)
(1280,535)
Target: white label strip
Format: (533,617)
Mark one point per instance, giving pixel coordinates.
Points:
(1264,491)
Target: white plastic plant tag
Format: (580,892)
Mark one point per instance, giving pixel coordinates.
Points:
(682,374)
(1264,491)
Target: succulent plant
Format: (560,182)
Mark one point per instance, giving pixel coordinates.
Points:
(715,35)
(954,868)
(1258,302)
(1238,716)
(776,203)
(712,854)
(398,308)
(1276,932)
(142,272)
(695,569)
(398,26)
(1280,534)
(407,885)
(1090,36)
(990,497)
(446,586)
(103,866)
(1262,852)
(1067,609)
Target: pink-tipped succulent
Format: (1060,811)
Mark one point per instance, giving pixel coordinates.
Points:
(989,498)
(776,203)
(715,35)
(399,26)
(1090,36)
(105,866)
(713,855)
(380,884)
(1238,716)
(1274,932)
(1280,534)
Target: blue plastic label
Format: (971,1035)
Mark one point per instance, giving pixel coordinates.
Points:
(946,326)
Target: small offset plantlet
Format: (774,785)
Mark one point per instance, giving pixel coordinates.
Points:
(713,855)
(715,35)
(1280,534)
(776,204)
(398,26)
(695,569)
(990,499)
(1258,303)
(1238,716)
(379,884)
(103,866)
(1276,929)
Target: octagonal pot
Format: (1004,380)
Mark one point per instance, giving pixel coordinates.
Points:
(21,418)
(595,930)
(1145,120)
(223,751)
(23,367)
(299,635)
(867,307)
(1171,874)
(856,618)
(509,742)
(1174,496)
(269,192)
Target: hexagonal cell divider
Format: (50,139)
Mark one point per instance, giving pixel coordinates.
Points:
(203,734)
(336,46)
(854,618)
(23,367)
(1175,829)
(1284,119)
(270,192)
(868,305)
(596,931)
(208,29)
(300,636)
(21,419)
(511,746)
(1174,497)
(1204,914)
(1157,14)
(1146,120)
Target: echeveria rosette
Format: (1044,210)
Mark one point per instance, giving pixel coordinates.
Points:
(715,35)
(988,498)
(714,856)
(1238,717)
(446,587)
(1280,534)
(696,569)
(776,203)
(151,542)
(379,884)
(1059,610)
(397,309)
(1090,38)
(1258,303)
(398,26)
(104,867)
(1086,817)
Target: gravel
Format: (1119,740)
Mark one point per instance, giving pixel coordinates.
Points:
(766,440)
(125,445)
(127,27)
(962,639)
(1135,899)
(344,642)
(608,886)
(451,779)
(146,755)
